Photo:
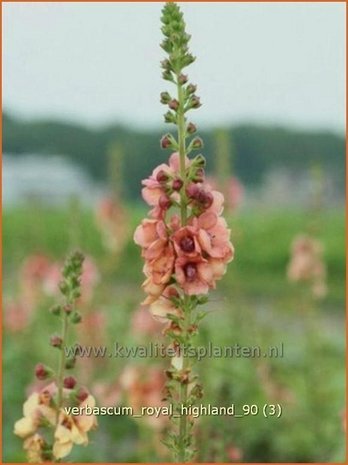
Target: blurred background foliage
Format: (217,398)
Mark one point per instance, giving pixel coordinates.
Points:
(254,304)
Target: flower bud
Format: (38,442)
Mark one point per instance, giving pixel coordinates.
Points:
(166,143)
(76,317)
(67,309)
(205,198)
(162,177)
(165,98)
(191,128)
(169,117)
(192,191)
(167,76)
(191,88)
(70,363)
(199,175)
(69,382)
(173,104)
(64,288)
(42,372)
(165,64)
(164,202)
(56,341)
(183,78)
(197,143)
(82,394)
(56,309)
(195,102)
(177,184)
(199,161)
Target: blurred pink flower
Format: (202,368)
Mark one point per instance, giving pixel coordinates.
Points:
(113,223)
(233,191)
(17,316)
(143,387)
(234,454)
(306,264)
(144,324)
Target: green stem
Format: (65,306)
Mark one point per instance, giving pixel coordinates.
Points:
(62,360)
(182,151)
(182,456)
(184,389)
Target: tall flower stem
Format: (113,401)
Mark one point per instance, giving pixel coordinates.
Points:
(182,150)
(62,359)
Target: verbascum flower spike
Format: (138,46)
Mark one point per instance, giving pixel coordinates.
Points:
(185,241)
(48,431)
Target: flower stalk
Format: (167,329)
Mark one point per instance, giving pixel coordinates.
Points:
(185,243)
(49,433)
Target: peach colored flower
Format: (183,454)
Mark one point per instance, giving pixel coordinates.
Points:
(164,305)
(36,409)
(34,447)
(160,269)
(73,429)
(113,223)
(306,264)
(186,241)
(143,387)
(214,236)
(194,275)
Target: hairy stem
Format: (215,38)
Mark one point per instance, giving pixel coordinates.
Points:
(62,360)
(181,456)
(182,151)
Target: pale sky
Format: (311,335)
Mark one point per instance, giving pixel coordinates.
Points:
(98,63)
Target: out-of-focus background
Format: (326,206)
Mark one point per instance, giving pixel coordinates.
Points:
(81,129)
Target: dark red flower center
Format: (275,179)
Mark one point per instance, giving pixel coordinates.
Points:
(187,244)
(190,271)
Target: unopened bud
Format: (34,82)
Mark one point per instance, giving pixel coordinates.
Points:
(199,175)
(192,191)
(42,372)
(166,143)
(70,363)
(165,64)
(165,97)
(167,76)
(199,161)
(56,341)
(162,176)
(183,78)
(56,309)
(191,88)
(76,317)
(169,117)
(173,104)
(64,288)
(195,102)
(205,198)
(67,309)
(197,143)
(177,184)
(69,382)
(82,394)
(164,202)
(191,128)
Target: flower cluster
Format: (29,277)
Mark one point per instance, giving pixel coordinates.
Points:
(306,264)
(192,256)
(40,412)
(185,240)
(49,433)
